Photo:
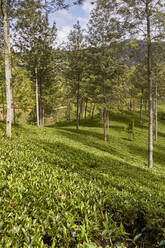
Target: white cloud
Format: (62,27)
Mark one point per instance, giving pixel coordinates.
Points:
(62,34)
(62,17)
(88,6)
(66,18)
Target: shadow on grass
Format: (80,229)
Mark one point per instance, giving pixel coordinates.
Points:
(92,139)
(71,133)
(162,135)
(107,173)
(124,118)
(62,124)
(158,156)
(90,165)
(95,140)
(86,123)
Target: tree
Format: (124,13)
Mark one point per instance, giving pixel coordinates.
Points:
(139,82)
(75,65)
(20,9)
(104,34)
(36,41)
(23,100)
(2,83)
(146,19)
(6,32)
(158,78)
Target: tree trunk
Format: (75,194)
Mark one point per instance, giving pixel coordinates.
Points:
(149,68)
(41,113)
(7,67)
(145,107)
(81,110)
(105,122)
(77,112)
(141,110)
(43,120)
(108,119)
(101,115)
(37,101)
(12,103)
(41,109)
(3,105)
(93,111)
(91,108)
(130,104)
(13,110)
(156,112)
(68,114)
(86,106)
(134,108)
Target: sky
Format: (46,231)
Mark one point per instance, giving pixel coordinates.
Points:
(66,18)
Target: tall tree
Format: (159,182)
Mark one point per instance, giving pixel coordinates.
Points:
(75,65)
(158,77)
(36,41)
(6,32)
(104,33)
(20,9)
(146,19)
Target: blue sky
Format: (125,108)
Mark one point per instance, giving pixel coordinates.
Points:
(66,18)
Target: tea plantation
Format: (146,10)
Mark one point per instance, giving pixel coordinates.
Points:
(59,188)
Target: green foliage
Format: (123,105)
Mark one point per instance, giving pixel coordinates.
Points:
(60,188)
(21,86)
(75,62)
(106,72)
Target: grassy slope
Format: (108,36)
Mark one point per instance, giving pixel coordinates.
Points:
(63,189)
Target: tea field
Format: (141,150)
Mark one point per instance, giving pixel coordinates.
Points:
(63,189)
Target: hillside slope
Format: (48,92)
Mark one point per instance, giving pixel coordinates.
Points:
(63,189)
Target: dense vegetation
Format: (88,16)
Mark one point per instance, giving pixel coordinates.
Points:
(84,123)
(60,188)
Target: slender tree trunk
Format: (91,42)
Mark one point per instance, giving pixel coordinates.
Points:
(141,110)
(14,116)
(41,113)
(156,112)
(108,119)
(68,112)
(134,108)
(3,105)
(77,112)
(86,106)
(12,103)
(105,122)
(130,104)
(93,110)
(41,109)
(13,109)
(7,67)
(81,109)
(101,115)
(37,100)
(149,68)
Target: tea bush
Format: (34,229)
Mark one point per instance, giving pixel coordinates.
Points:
(59,188)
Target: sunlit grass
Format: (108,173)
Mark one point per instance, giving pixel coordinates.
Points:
(60,188)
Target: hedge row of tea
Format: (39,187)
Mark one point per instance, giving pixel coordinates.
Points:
(63,189)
